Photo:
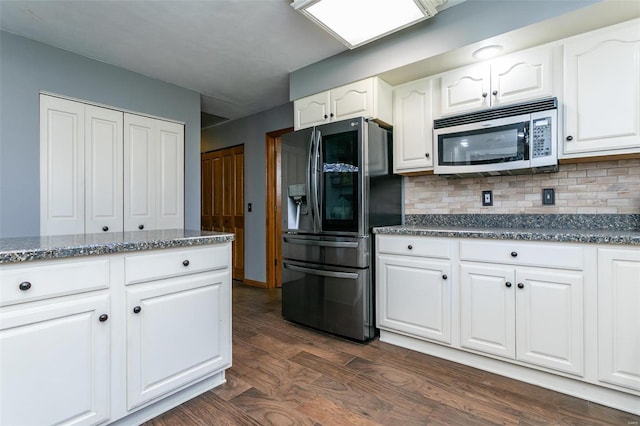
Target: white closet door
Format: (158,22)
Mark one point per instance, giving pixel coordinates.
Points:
(61,166)
(139,173)
(170,175)
(103,170)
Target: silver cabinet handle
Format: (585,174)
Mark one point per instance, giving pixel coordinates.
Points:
(330,274)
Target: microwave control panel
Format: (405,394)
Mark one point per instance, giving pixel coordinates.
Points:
(541,137)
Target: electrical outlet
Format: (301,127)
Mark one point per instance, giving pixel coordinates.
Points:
(487,198)
(548,196)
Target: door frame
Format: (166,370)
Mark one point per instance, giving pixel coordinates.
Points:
(273,208)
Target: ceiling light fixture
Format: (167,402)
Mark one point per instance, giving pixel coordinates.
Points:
(487,52)
(357,22)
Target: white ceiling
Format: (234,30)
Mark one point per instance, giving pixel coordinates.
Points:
(236,53)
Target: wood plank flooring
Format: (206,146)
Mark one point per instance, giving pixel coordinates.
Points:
(285,374)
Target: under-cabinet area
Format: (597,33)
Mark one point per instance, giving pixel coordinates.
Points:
(561,315)
(115,338)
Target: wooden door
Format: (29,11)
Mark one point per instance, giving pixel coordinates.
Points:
(223,198)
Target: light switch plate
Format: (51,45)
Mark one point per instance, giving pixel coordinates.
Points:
(487,198)
(548,196)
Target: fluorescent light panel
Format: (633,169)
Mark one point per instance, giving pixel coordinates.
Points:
(356,22)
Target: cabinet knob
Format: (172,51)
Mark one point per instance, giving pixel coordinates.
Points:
(569,138)
(484,94)
(103,317)
(495,93)
(514,254)
(105,228)
(185,262)
(137,309)
(444,276)
(326,116)
(427,155)
(141,227)
(520,285)
(331,115)
(508,284)
(24,286)
(410,247)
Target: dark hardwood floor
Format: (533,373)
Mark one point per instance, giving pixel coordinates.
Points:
(285,374)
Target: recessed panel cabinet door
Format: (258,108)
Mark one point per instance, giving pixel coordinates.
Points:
(139,173)
(521,76)
(311,110)
(169,175)
(55,364)
(352,100)
(413,127)
(487,309)
(103,170)
(602,92)
(414,296)
(61,166)
(619,317)
(465,89)
(165,324)
(549,319)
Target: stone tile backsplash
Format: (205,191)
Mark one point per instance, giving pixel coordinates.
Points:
(607,187)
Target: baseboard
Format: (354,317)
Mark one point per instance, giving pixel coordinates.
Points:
(255,283)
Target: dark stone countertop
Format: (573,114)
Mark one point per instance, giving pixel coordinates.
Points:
(598,236)
(23,249)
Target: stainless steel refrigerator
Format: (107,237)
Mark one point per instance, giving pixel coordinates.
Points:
(337,183)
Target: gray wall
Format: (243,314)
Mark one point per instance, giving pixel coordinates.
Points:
(26,68)
(461,25)
(251,132)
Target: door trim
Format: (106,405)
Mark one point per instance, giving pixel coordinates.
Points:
(272,208)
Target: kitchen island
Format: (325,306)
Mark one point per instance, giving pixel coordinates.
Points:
(112,328)
(552,306)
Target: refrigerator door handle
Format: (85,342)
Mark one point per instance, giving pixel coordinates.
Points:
(310,171)
(316,183)
(330,274)
(339,244)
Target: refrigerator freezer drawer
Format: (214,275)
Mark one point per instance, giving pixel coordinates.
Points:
(341,251)
(335,300)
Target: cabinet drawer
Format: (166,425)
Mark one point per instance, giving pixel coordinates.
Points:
(171,263)
(517,253)
(414,246)
(46,279)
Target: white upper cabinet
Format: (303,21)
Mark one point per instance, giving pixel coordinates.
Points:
(103,170)
(61,166)
(369,98)
(106,171)
(602,92)
(513,78)
(413,126)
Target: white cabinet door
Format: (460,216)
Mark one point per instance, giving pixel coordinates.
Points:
(549,319)
(414,296)
(413,126)
(352,100)
(465,89)
(619,317)
(311,110)
(139,173)
(165,344)
(521,76)
(602,92)
(103,170)
(487,309)
(61,166)
(170,175)
(55,363)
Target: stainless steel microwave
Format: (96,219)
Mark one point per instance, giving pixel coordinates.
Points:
(515,139)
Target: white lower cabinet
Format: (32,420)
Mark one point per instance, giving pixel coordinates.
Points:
(413,287)
(166,323)
(55,362)
(619,316)
(533,315)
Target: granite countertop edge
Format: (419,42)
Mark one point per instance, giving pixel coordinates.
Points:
(558,235)
(17,250)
